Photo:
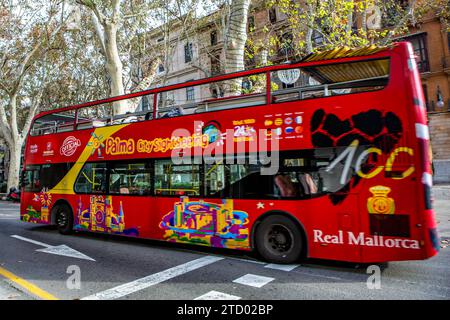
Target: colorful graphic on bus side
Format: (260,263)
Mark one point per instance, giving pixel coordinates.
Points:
(44,198)
(200,222)
(99,216)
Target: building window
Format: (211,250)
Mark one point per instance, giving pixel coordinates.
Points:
(393,12)
(419,43)
(286,45)
(188,52)
(213,36)
(147,103)
(272,15)
(190,93)
(215,65)
(251,24)
(161,68)
(425,93)
(217,91)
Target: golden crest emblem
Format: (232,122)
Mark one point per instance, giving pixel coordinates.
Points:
(380,203)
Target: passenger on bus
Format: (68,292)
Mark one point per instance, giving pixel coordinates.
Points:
(285,185)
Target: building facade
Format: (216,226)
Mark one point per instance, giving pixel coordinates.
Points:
(431,42)
(199,53)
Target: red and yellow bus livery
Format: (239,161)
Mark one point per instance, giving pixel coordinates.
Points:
(342,136)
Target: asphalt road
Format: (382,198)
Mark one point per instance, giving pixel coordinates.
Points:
(166,271)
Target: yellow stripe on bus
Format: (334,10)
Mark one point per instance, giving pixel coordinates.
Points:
(27,285)
(65,186)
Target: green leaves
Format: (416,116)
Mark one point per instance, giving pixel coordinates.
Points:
(327,24)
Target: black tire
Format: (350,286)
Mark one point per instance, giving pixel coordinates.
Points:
(63,218)
(279,240)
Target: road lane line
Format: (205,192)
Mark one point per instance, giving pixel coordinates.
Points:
(282,267)
(33,289)
(217,295)
(151,280)
(253,280)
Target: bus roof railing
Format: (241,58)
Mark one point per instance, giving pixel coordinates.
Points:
(327,57)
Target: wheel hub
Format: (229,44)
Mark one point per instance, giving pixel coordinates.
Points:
(280,239)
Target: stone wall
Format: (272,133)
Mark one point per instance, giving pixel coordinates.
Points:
(439,124)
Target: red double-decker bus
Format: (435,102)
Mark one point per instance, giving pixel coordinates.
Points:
(324,158)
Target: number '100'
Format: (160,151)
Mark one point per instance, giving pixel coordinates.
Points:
(349,154)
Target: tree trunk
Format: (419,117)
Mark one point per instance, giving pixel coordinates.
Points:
(114,67)
(310,30)
(349,28)
(14,163)
(237,36)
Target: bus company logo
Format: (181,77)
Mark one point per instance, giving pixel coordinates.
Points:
(380,203)
(34,148)
(49,151)
(69,146)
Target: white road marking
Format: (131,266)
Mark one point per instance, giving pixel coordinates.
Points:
(216,295)
(246,260)
(153,279)
(31,241)
(282,267)
(253,280)
(61,250)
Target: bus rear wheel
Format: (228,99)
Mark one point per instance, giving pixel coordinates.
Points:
(279,240)
(63,218)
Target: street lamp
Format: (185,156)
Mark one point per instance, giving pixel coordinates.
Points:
(440,100)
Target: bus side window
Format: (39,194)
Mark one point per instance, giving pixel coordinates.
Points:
(30,180)
(92,179)
(130,178)
(176,180)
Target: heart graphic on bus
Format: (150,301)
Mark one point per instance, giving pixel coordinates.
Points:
(371,128)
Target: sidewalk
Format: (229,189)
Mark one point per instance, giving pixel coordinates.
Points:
(441,192)
(7,292)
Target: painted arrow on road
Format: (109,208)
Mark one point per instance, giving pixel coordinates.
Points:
(61,250)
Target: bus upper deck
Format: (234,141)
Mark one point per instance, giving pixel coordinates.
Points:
(326,74)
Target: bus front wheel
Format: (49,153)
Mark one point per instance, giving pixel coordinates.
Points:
(279,240)
(64,218)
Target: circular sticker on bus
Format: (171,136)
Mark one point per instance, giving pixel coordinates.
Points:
(278,121)
(212,130)
(69,146)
